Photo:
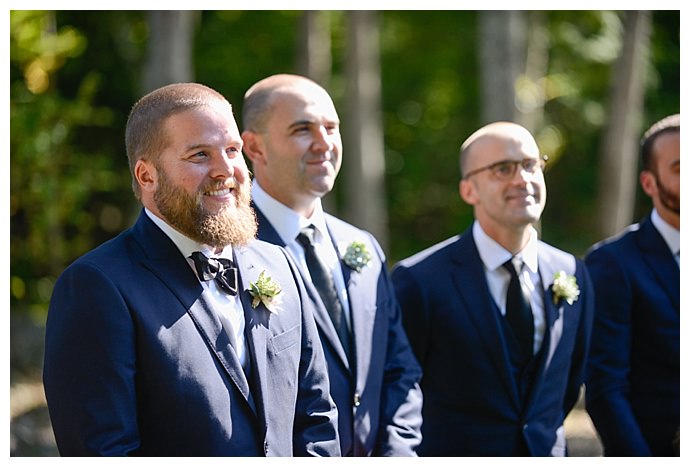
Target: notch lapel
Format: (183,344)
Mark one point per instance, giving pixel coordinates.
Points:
(256,328)
(362,317)
(327,332)
(469,278)
(549,265)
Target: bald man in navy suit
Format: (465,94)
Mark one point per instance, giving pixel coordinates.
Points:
(292,136)
(499,320)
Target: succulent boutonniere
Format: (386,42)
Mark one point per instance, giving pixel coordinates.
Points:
(265,291)
(564,287)
(357,256)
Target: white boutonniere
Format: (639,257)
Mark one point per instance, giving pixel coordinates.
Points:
(266,291)
(564,287)
(356,256)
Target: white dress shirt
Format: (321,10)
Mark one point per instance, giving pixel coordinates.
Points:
(288,224)
(227,307)
(493,256)
(670,234)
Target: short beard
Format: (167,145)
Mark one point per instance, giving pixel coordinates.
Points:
(235,226)
(669,200)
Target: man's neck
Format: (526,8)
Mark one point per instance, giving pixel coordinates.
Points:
(513,240)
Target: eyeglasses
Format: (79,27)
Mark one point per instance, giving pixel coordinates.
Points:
(505,170)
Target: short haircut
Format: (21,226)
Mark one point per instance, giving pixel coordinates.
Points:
(665,125)
(144,135)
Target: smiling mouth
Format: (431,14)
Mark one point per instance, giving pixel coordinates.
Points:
(223,189)
(223,192)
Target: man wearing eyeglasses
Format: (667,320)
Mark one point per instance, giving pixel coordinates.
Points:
(499,320)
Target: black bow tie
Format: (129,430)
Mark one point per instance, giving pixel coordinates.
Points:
(221,269)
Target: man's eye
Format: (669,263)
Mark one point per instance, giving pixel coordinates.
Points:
(503,168)
(529,164)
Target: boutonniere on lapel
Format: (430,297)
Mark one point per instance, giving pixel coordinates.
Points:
(266,291)
(356,256)
(564,288)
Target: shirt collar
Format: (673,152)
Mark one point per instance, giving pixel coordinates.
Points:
(284,220)
(494,255)
(670,234)
(186,245)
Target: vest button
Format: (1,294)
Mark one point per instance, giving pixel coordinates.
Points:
(356,400)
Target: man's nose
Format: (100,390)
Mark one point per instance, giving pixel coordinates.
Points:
(323,140)
(228,164)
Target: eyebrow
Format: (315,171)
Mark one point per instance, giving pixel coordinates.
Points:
(312,122)
(197,146)
(300,123)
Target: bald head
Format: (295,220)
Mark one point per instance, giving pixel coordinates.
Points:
(486,139)
(259,99)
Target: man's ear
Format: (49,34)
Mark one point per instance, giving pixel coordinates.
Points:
(648,183)
(146,175)
(468,193)
(253,147)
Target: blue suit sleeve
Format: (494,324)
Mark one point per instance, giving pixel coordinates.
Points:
(401,396)
(581,349)
(608,370)
(89,369)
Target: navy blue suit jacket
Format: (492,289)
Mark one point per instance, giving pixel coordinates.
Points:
(137,364)
(633,383)
(378,396)
(472,405)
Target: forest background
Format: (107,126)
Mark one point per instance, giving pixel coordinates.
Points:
(410,86)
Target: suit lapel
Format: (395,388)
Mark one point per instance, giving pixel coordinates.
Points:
(660,260)
(166,262)
(256,328)
(470,280)
(267,233)
(362,318)
(554,314)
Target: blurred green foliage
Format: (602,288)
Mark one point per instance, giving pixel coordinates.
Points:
(75,74)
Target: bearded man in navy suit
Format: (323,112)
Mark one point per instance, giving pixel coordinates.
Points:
(499,320)
(185,336)
(292,136)
(633,383)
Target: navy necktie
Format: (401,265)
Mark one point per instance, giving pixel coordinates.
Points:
(322,279)
(222,270)
(519,313)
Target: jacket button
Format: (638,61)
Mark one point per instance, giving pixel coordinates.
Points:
(357,399)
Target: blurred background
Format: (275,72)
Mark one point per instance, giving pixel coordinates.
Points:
(410,86)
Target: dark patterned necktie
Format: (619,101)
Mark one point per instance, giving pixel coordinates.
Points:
(222,270)
(519,312)
(322,279)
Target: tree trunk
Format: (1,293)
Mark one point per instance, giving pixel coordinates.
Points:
(618,172)
(315,60)
(530,92)
(169,58)
(502,55)
(364,162)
